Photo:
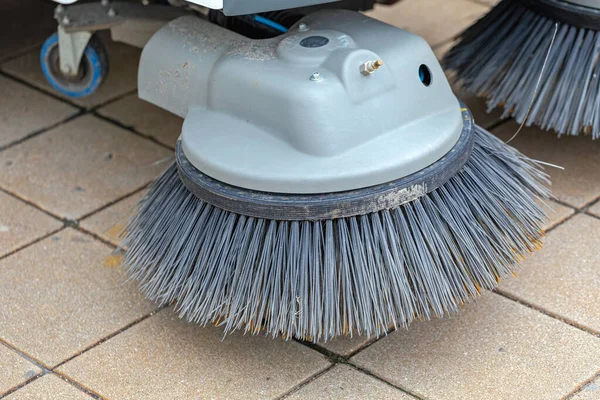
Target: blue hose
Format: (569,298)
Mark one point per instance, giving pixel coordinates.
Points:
(270,24)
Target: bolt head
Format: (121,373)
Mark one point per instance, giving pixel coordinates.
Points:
(316,76)
(302,27)
(111,12)
(65,20)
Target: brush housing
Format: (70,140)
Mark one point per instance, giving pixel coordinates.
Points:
(304,112)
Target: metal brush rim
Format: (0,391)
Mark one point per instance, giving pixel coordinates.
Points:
(326,206)
(571,13)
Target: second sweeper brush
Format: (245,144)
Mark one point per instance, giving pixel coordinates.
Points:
(502,57)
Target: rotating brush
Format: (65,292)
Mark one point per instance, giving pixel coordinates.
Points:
(504,55)
(328,183)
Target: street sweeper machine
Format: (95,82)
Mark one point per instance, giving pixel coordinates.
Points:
(326,182)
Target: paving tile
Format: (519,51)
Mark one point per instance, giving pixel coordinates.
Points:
(563,278)
(165,357)
(478,108)
(441,49)
(578,184)
(58,298)
(21,224)
(14,369)
(591,391)
(25,24)
(496,349)
(41,388)
(24,111)
(344,382)
(490,3)
(121,79)
(80,166)
(435,20)
(145,118)
(110,222)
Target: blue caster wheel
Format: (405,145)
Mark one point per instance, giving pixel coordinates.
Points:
(93,68)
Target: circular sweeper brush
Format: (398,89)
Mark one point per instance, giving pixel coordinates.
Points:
(326,182)
(521,44)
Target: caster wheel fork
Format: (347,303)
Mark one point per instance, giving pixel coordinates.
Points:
(90,74)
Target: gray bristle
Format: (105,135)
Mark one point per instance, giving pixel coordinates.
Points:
(501,58)
(315,280)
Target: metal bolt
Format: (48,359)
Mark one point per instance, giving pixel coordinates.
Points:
(370,66)
(111,12)
(65,20)
(315,77)
(302,27)
(105,2)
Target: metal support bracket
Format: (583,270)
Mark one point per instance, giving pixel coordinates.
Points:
(106,14)
(71,47)
(129,23)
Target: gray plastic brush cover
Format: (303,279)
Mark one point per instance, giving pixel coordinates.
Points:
(297,114)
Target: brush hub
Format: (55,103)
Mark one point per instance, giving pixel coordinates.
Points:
(325,206)
(338,106)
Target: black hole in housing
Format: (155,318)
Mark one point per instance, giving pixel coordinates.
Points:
(425,75)
(314,41)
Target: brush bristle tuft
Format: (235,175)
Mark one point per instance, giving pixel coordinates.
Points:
(315,280)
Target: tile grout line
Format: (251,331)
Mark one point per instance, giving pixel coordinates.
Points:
(560,223)
(67,223)
(577,211)
(108,337)
(95,236)
(339,359)
(581,386)
(130,129)
(21,353)
(20,53)
(586,209)
(38,89)
(112,100)
(524,303)
(32,204)
(582,208)
(115,201)
(22,384)
(67,101)
(377,377)
(306,382)
(70,223)
(496,124)
(78,386)
(41,131)
(29,244)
